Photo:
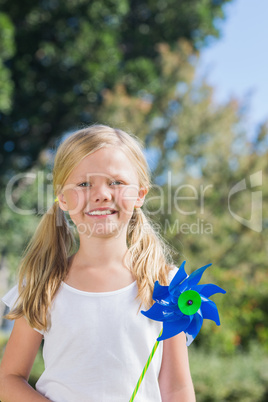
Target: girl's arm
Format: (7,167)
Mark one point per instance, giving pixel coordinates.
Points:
(17,362)
(175,379)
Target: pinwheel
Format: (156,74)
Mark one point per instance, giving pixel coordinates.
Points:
(181,307)
(184,304)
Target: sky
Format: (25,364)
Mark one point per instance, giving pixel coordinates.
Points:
(236,65)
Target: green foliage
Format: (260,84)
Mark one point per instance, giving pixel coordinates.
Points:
(242,377)
(7,50)
(133,72)
(69,52)
(199,153)
(3,341)
(38,368)
(25,199)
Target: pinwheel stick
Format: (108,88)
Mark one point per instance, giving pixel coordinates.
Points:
(181,307)
(145,369)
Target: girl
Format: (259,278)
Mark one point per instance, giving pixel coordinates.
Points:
(85,301)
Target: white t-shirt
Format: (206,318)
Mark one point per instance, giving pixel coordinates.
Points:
(97,346)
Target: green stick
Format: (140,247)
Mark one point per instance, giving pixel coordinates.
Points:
(144,370)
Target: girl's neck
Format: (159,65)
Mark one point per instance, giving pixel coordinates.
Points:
(101,252)
(100,266)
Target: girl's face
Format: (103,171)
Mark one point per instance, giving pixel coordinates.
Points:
(101,192)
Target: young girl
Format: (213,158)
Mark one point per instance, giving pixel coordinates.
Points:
(85,301)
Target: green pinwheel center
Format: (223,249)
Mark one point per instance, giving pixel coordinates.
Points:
(189,302)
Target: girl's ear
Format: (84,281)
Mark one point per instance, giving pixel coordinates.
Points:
(62,202)
(141,197)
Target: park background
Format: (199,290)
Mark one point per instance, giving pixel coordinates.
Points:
(143,66)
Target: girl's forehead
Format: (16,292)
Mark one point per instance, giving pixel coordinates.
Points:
(110,161)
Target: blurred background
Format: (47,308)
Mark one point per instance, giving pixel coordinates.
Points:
(188,77)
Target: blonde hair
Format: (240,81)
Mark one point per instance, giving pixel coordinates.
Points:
(45,262)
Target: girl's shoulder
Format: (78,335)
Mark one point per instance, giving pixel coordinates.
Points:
(10,299)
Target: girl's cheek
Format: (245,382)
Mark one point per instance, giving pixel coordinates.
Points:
(75,200)
(129,194)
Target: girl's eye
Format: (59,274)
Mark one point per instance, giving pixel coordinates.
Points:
(84,184)
(116,183)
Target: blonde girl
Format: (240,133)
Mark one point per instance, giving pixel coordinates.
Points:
(84,299)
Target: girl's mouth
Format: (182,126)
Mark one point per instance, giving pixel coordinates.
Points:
(101,212)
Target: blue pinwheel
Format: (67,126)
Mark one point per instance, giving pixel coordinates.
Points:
(184,304)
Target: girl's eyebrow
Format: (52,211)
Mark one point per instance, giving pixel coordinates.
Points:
(86,176)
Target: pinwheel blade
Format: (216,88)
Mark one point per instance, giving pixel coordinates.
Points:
(209,311)
(176,281)
(208,289)
(172,328)
(161,313)
(161,294)
(193,279)
(194,327)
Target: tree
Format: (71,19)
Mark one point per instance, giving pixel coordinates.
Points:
(196,149)
(68,52)
(199,153)
(6,52)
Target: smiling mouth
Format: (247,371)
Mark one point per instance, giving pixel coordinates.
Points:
(101,213)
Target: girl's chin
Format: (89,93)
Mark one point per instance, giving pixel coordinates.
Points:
(101,230)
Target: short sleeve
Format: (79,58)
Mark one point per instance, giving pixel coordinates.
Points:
(10,298)
(172,273)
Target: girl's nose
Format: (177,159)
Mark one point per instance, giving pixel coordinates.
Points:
(101,194)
